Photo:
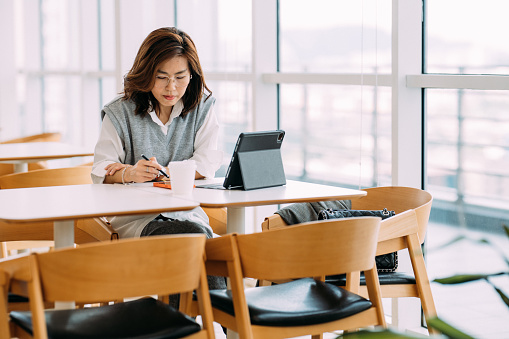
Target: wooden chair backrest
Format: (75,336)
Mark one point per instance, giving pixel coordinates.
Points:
(313,249)
(48,177)
(88,230)
(43,137)
(273,222)
(112,271)
(396,198)
(122,269)
(308,250)
(217,219)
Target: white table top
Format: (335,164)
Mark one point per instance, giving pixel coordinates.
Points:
(39,151)
(83,201)
(292,192)
(237,200)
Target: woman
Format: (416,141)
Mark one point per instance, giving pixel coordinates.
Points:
(165,114)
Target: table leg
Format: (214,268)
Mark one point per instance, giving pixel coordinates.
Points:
(63,234)
(236,220)
(21,167)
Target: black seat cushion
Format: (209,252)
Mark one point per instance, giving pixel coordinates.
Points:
(385,278)
(299,302)
(140,319)
(16,298)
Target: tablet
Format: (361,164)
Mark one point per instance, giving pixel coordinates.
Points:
(256,162)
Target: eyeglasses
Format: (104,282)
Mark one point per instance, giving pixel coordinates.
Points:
(180,81)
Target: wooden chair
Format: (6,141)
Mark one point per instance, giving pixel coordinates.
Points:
(40,234)
(128,268)
(14,265)
(303,306)
(406,230)
(44,137)
(87,230)
(217,219)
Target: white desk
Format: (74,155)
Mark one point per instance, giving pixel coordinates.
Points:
(236,200)
(21,154)
(64,204)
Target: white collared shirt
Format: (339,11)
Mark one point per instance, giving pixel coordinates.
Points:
(109,149)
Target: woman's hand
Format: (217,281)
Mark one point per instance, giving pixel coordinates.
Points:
(143,170)
(113,168)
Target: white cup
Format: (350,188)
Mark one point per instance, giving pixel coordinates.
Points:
(182,175)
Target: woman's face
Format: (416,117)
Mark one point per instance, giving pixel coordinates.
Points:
(172,79)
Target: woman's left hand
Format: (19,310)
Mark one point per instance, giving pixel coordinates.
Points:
(113,168)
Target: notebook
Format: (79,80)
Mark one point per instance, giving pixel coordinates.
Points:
(256,162)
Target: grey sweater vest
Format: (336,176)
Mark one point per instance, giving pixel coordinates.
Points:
(141,135)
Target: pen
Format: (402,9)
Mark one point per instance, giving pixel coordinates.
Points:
(160,171)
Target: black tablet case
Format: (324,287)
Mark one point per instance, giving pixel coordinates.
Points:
(256,161)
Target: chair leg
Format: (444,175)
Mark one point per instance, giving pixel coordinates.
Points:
(164,298)
(264,283)
(421,278)
(186,304)
(375,296)
(3,250)
(4,317)
(353,281)
(18,332)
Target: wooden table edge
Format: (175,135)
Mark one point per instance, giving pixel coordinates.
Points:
(280,201)
(109,214)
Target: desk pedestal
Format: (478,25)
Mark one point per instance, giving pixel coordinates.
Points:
(235,222)
(235,219)
(63,234)
(21,167)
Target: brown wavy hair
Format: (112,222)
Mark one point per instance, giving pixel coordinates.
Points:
(159,46)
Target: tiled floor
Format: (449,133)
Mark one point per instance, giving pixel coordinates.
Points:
(475,308)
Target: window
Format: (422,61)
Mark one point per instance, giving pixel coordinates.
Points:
(336,133)
(467,157)
(335,36)
(464,37)
(221,30)
(324,76)
(468,148)
(65,66)
(330,140)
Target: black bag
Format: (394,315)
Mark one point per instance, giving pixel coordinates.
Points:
(385,262)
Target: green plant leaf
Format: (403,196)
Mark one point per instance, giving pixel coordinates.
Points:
(504,298)
(502,295)
(480,241)
(387,333)
(447,329)
(463,278)
(484,241)
(449,243)
(495,247)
